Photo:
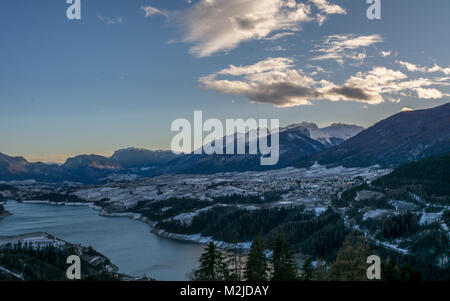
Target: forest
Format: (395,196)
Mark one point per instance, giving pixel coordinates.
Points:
(281,264)
(319,236)
(49,263)
(429,178)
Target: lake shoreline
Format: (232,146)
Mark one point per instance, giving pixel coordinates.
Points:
(126,242)
(191,238)
(3,212)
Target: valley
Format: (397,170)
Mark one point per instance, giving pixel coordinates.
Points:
(314,207)
(388,183)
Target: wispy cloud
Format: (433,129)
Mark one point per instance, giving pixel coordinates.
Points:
(325,9)
(280,35)
(430,93)
(213,26)
(110,20)
(153,11)
(381,80)
(276,48)
(345,47)
(417,68)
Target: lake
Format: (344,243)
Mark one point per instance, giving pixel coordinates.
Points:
(129,244)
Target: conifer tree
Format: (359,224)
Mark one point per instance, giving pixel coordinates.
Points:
(284,263)
(393,272)
(256,267)
(212,266)
(234,262)
(350,264)
(308,270)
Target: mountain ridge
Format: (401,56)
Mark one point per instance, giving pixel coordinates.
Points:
(400,138)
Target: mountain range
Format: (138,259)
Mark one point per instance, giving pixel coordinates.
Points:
(332,135)
(82,168)
(296,141)
(401,138)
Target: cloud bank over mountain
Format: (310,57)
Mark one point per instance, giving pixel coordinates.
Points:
(279,82)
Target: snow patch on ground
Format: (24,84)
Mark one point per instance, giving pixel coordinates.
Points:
(319,210)
(375,213)
(198,238)
(12,273)
(429,218)
(186,218)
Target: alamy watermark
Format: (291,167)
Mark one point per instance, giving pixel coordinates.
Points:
(213,143)
(74,10)
(374,10)
(374,270)
(74,270)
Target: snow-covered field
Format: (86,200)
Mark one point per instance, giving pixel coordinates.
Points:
(375,213)
(308,186)
(312,187)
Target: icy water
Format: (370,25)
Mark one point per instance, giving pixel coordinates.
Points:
(128,243)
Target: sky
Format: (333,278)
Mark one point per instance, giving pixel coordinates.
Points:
(119,76)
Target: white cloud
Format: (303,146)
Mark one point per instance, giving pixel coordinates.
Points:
(280,35)
(437,68)
(376,82)
(268,65)
(342,47)
(153,11)
(321,19)
(385,53)
(273,81)
(111,21)
(429,93)
(325,9)
(381,80)
(276,48)
(279,82)
(416,68)
(412,67)
(221,25)
(328,8)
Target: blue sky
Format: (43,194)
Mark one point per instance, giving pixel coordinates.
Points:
(119,76)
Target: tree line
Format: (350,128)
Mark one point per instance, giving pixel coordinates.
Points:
(282,265)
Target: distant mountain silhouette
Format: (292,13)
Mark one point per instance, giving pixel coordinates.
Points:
(331,135)
(139,157)
(296,141)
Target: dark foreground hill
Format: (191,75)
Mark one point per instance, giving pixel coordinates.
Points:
(429,176)
(398,139)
